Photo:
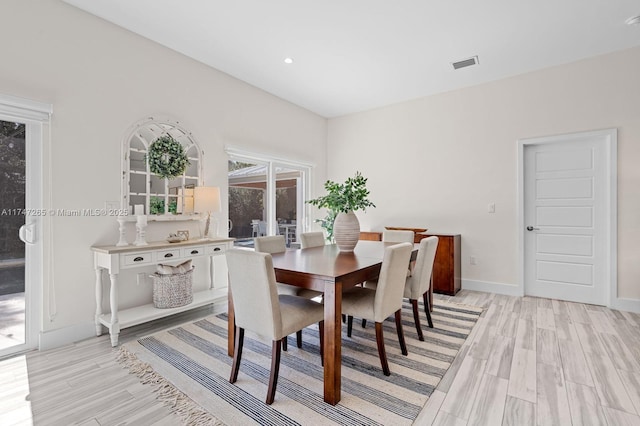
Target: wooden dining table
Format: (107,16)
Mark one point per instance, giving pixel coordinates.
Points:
(330,271)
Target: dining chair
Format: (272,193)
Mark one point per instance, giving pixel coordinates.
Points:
(377,305)
(276,244)
(418,284)
(311,239)
(259,308)
(397,236)
(392,236)
(262,228)
(254,227)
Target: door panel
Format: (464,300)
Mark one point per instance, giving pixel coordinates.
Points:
(576,245)
(566,217)
(12,249)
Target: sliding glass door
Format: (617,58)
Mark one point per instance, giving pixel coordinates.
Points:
(266,197)
(21,214)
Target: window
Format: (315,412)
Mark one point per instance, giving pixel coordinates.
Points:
(266,197)
(142,187)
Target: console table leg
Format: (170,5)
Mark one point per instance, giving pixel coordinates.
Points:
(211,271)
(98,301)
(114,329)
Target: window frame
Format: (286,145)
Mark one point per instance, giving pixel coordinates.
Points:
(272,162)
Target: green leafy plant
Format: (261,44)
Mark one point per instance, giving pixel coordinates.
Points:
(156,206)
(352,195)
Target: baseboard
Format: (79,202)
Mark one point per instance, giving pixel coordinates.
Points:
(63,336)
(630,305)
(491,287)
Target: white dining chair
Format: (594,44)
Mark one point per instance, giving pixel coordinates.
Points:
(259,308)
(276,244)
(397,236)
(392,236)
(311,239)
(262,228)
(418,284)
(380,303)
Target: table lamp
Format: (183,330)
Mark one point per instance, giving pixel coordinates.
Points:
(206,199)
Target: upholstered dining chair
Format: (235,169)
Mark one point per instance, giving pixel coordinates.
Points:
(260,309)
(276,244)
(311,239)
(380,303)
(392,236)
(397,236)
(418,284)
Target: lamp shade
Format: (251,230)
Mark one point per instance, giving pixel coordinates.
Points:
(206,199)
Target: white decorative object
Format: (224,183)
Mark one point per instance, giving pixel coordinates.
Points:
(141,224)
(138,210)
(123,237)
(207,200)
(346,231)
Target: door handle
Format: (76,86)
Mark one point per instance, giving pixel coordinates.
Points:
(531,228)
(27,233)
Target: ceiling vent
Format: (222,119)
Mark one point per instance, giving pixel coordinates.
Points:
(465,63)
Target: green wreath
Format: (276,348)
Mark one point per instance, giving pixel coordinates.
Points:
(167,158)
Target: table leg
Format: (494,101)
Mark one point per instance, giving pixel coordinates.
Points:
(98,301)
(114,329)
(231,330)
(332,341)
(211,272)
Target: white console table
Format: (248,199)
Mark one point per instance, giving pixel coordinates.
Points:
(113,259)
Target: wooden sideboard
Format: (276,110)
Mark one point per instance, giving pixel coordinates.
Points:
(447,264)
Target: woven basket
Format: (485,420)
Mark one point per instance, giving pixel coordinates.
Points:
(171,291)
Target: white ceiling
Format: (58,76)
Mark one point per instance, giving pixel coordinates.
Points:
(355,55)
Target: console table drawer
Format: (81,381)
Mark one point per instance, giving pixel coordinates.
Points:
(192,251)
(144,258)
(217,249)
(163,255)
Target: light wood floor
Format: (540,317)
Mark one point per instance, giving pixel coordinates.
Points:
(532,361)
(527,361)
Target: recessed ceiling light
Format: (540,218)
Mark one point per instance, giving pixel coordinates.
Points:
(288,60)
(634,20)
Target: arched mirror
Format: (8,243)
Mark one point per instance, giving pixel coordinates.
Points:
(151,192)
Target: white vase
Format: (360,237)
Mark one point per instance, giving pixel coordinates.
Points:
(346,231)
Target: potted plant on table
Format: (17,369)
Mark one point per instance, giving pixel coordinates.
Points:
(341,201)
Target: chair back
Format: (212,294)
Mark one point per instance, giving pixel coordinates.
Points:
(311,239)
(420,280)
(253,288)
(391,281)
(262,227)
(397,236)
(274,244)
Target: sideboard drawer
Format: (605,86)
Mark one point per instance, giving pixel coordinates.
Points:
(217,249)
(144,258)
(166,255)
(192,251)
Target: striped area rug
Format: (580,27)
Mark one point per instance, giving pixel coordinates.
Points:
(190,369)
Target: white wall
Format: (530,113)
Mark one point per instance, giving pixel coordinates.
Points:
(101,80)
(438,161)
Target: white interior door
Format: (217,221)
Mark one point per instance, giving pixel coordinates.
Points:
(568,216)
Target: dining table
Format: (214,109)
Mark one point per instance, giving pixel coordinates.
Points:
(331,271)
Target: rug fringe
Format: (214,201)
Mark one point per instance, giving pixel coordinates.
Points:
(177,401)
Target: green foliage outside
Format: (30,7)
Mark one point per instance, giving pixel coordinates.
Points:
(156,205)
(352,195)
(12,187)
